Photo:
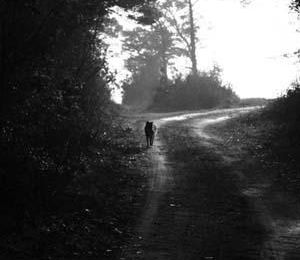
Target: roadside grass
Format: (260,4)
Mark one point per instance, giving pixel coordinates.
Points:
(97,211)
(272,146)
(218,221)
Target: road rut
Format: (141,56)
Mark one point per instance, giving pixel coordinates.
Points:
(196,206)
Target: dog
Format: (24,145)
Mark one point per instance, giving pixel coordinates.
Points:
(150,131)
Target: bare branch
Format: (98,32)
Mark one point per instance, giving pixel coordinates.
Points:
(178,29)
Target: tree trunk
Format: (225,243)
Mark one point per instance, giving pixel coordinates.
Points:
(164,64)
(193,39)
(163,57)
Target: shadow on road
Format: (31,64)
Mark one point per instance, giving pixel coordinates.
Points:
(196,206)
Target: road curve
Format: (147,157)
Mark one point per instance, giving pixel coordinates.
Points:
(165,220)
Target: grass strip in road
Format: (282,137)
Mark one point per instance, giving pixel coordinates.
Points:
(269,149)
(265,155)
(204,215)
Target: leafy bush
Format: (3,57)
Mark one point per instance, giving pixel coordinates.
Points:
(287,107)
(194,92)
(55,103)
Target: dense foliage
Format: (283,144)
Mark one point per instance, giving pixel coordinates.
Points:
(55,103)
(195,92)
(285,111)
(272,134)
(151,50)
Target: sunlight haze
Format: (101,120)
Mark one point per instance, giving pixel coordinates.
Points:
(253,44)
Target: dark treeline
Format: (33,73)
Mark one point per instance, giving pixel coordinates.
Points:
(204,90)
(194,92)
(285,111)
(55,109)
(200,91)
(276,130)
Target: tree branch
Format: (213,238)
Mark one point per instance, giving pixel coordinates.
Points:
(180,32)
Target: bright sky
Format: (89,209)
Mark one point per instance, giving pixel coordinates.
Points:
(248,42)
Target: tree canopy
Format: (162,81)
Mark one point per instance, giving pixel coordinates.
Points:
(55,102)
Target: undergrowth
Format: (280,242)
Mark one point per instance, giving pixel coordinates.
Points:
(95,213)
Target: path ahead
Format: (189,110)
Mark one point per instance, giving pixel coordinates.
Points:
(199,206)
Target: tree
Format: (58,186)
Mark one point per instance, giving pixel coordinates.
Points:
(192,38)
(151,48)
(183,25)
(144,63)
(55,101)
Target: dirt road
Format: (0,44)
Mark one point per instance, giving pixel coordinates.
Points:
(199,204)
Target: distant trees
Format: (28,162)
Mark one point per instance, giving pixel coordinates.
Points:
(180,16)
(204,90)
(146,44)
(144,64)
(151,49)
(170,35)
(145,68)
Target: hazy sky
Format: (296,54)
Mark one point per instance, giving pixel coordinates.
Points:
(248,42)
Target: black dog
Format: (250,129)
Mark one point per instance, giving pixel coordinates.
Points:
(150,130)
